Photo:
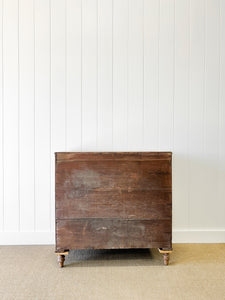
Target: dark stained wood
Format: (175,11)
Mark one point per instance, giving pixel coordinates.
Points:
(87,156)
(104,175)
(166,257)
(61,259)
(112,233)
(113,200)
(112,204)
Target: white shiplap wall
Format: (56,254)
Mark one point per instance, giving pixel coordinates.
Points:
(112,75)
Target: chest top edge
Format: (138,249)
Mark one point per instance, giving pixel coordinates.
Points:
(88,156)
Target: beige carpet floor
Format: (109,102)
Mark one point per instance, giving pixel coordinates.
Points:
(196,271)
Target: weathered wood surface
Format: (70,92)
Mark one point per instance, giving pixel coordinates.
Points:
(113,200)
(114,175)
(138,189)
(112,233)
(87,156)
(61,259)
(109,204)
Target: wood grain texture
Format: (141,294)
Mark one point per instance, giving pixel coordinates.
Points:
(108,175)
(113,204)
(60,156)
(113,200)
(112,233)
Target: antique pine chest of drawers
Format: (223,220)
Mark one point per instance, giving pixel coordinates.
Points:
(106,200)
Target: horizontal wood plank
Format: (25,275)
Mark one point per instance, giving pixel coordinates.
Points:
(70,156)
(113,175)
(134,189)
(112,204)
(112,233)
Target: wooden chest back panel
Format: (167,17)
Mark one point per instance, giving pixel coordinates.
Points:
(113,175)
(129,205)
(96,156)
(114,191)
(112,233)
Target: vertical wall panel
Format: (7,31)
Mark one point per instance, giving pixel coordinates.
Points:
(42,116)
(221,190)
(58,74)
(58,86)
(11,118)
(1,122)
(196,109)
(135,75)
(26,115)
(181,111)
(211,118)
(120,68)
(73,75)
(208,163)
(166,74)
(104,140)
(151,74)
(89,75)
(111,75)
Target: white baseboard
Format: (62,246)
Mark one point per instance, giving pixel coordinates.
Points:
(27,238)
(179,236)
(199,235)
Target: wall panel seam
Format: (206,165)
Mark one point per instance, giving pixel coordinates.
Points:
(3,170)
(188,114)
(18,129)
(66,121)
(81,71)
(143,75)
(159,29)
(173,88)
(112,107)
(50,116)
(97,73)
(34,112)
